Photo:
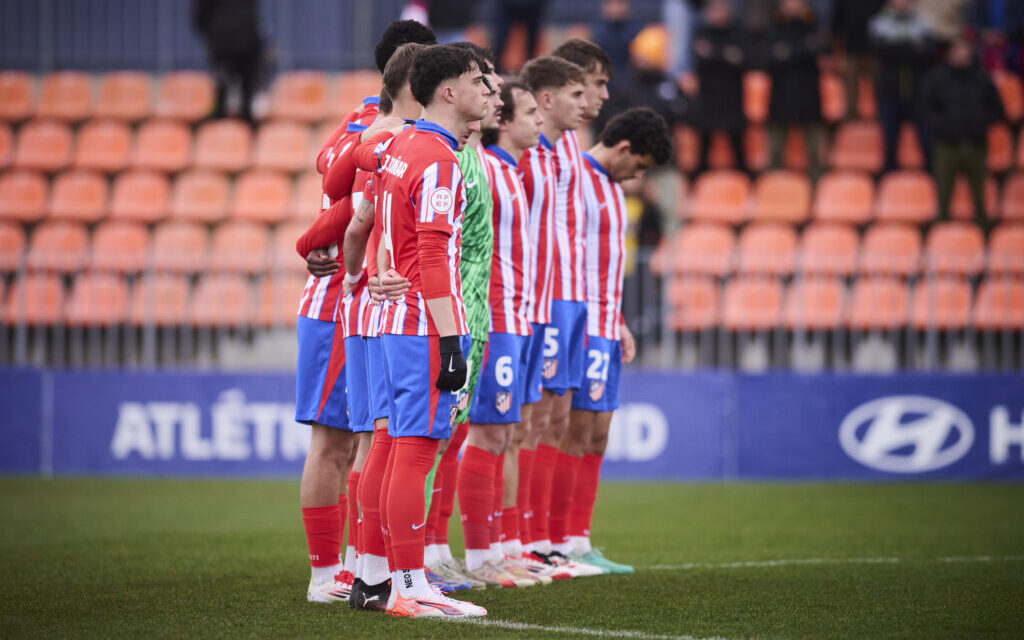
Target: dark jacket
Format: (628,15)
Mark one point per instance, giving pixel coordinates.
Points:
(230,27)
(720,76)
(450,15)
(792,55)
(905,46)
(960,104)
(850,22)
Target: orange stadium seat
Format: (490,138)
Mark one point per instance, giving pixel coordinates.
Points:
(12,246)
(223,145)
(282,247)
(15,96)
(353,86)
(687,146)
(962,208)
(720,196)
(941,303)
(308,197)
(794,153)
(844,196)
(185,95)
(908,150)
(954,248)
(79,195)
(119,246)
(159,299)
(240,246)
(1011,93)
(782,195)
(1006,249)
(261,196)
(755,145)
(891,248)
(1000,148)
(180,246)
(201,196)
(906,196)
(833,97)
(757,89)
(163,145)
(58,246)
(858,146)
(283,146)
(44,145)
(140,195)
(299,95)
(999,305)
(222,300)
(766,248)
(35,299)
(828,248)
(752,303)
(23,196)
(816,304)
(1012,207)
(98,299)
(6,146)
(278,300)
(867,106)
(704,247)
(694,302)
(125,95)
(103,145)
(65,95)
(879,304)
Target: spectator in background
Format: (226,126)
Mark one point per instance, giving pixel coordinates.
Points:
(509,12)
(946,17)
(614,33)
(902,40)
(679,17)
(793,47)
(719,59)
(850,41)
(449,19)
(230,29)
(998,27)
(959,102)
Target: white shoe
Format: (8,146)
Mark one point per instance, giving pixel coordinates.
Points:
(576,569)
(517,568)
(335,590)
(437,605)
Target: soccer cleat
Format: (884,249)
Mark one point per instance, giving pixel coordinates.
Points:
(436,605)
(492,575)
(576,569)
(369,597)
(539,564)
(454,571)
(331,591)
(444,584)
(595,558)
(516,568)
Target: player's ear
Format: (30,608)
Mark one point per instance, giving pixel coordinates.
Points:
(545,99)
(622,148)
(448,92)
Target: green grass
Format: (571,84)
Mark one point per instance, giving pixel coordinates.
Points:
(224,559)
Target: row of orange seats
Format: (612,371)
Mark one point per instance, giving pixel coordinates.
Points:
(73,96)
(751,303)
(708,248)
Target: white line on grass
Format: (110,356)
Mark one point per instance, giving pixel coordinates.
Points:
(579,631)
(812,561)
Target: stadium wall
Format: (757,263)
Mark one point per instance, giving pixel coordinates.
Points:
(671,426)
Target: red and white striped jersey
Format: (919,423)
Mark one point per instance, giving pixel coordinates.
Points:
(354,307)
(538,170)
(570,219)
(606,249)
(420,192)
(512,261)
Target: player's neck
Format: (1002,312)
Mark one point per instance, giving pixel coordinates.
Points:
(601,153)
(448,119)
(506,145)
(407,109)
(474,140)
(550,130)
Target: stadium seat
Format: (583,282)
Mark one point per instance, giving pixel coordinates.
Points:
(184,95)
(140,195)
(757,90)
(720,196)
(833,97)
(878,304)
(755,145)
(98,299)
(65,95)
(687,147)
(180,247)
(999,305)
(941,303)
(12,246)
(766,248)
(223,145)
(239,246)
(261,196)
(282,247)
(159,299)
(35,299)
(1012,207)
(222,300)
(1011,93)
(752,303)
(844,196)
(308,197)
(44,145)
(858,146)
(15,96)
(956,248)
(815,304)
(23,196)
(828,248)
(125,95)
(694,304)
(962,208)
(891,249)
(283,146)
(58,246)
(6,146)
(867,106)
(703,248)
(1000,148)
(201,196)
(906,196)
(1006,249)
(908,150)
(79,195)
(119,246)
(279,299)
(299,95)
(163,145)
(353,86)
(103,145)
(782,195)
(794,153)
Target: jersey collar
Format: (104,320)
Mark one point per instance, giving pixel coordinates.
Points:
(502,154)
(546,143)
(372,100)
(355,126)
(426,125)
(594,163)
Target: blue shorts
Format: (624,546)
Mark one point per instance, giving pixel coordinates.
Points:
(418,407)
(600,390)
(357,384)
(563,346)
(320,374)
(500,390)
(380,384)
(534,363)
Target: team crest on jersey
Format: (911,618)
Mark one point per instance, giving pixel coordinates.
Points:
(550,368)
(503,402)
(596,390)
(452,412)
(442,200)
(462,400)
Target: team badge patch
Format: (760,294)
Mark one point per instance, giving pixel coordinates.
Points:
(550,368)
(503,402)
(596,390)
(452,412)
(463,400)
(441,200)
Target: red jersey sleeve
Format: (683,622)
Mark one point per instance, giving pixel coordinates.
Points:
(327,229)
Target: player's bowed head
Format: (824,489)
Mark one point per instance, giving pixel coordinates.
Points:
(632,142)
(450,84)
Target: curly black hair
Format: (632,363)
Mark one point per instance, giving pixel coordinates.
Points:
(398,33)
(586,55)
(434,65)
(485,55)
(646,131)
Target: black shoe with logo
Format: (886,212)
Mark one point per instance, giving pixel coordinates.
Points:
(369,597)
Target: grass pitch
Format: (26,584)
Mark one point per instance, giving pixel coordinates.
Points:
(99,558)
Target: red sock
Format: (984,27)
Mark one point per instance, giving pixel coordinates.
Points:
(544,461)
(564,487)
(372,479)
(413,458)
(385,510)
(585,495)
(523,494)
(352,487)
(430,532)
(499,498)
(450,468)
(510,523)
(322,534)
(476,496)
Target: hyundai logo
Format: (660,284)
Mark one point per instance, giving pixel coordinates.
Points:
(906,434)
